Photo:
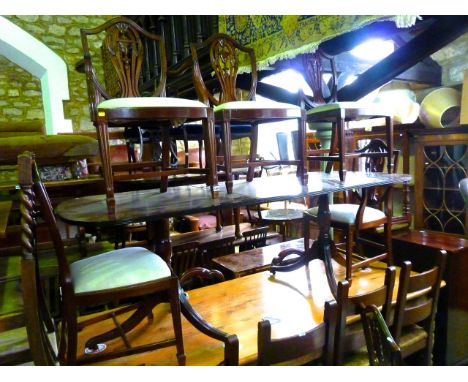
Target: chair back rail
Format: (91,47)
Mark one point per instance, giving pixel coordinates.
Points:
(219,247)
(353,305)
(422,311)
(254,238)
(185,256)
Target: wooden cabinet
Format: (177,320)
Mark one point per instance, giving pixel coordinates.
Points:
(441,161)
(437,159)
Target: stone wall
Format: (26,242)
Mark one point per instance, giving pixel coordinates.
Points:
(20,92)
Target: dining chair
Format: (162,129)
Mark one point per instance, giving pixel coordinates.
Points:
(185,256)
(127,104)
(326,108)
(215,248)
(349,342)
(195,278)
(362,211)
(129,273)
(381,347)
(221,54)
(254,238)
(414,321)
(300,349)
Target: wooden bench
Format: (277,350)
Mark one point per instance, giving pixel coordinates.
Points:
(254,260)
(419,247)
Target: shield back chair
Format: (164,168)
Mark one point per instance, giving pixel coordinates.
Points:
(325,108)
(221,54)
(349,342)
(364,210)
(381,347)
(123,43)
(128,273)
(300,349)
(414,321)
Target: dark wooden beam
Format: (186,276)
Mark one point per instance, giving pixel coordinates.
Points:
(444,30)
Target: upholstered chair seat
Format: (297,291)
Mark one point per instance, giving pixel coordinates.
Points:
(127,102)
(116,269)
(346,213)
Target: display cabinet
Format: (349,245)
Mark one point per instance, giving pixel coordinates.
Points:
(441,161)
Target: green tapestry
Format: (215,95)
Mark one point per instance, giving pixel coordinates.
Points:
(279,37)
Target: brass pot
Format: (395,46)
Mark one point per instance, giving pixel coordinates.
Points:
(441,108)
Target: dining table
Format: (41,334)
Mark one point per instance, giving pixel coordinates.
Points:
(292,301)
(155,208)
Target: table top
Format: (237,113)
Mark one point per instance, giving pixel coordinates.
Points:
(292,301)
(147,205)
(254,260)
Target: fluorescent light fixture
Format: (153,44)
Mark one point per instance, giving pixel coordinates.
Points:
(373,49)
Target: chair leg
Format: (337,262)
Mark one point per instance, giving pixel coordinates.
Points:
(253,151)
(177,323)
(227,153)
(341,149)
(333,146)
(301,172)
(165,157)
(349,252)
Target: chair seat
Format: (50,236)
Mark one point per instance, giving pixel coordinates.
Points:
(119,268)
(411,336)
(249,105)
(147,102)
(369,108)
(358,358)
(346,213)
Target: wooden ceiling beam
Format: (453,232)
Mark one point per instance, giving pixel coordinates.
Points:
(443,31)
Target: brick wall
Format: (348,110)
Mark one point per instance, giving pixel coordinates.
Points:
(20,92)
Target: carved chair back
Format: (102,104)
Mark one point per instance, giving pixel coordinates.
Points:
(221,52)
(124,47)
(313,70)
(373,158)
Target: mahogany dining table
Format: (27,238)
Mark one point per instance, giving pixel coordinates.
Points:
(155,208)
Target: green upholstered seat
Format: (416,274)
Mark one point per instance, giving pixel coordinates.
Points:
(261,105)
(119,268)
(135,102)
